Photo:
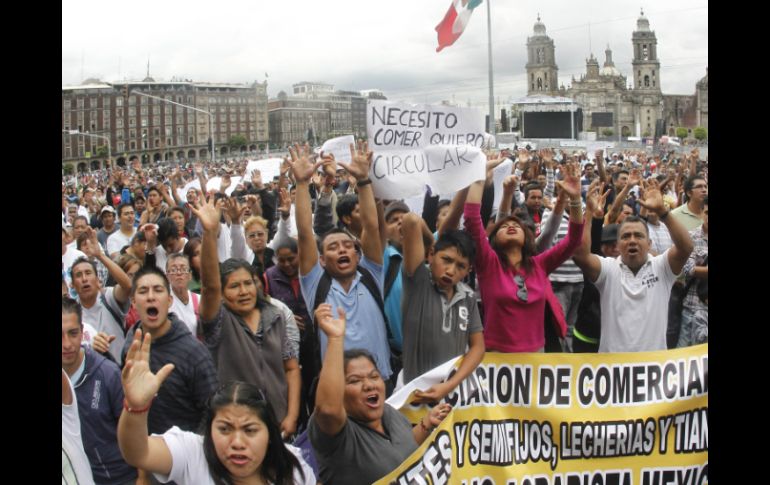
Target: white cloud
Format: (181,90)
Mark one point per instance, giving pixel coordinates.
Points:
(358,44)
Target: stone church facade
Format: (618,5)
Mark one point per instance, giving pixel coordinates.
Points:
(638,106)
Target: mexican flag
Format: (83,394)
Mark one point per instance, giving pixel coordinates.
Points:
(455,20)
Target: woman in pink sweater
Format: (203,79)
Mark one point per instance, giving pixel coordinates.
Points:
(513,279)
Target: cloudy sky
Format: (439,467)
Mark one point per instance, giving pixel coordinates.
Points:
(361,44)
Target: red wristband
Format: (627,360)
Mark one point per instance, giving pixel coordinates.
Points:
(136,411)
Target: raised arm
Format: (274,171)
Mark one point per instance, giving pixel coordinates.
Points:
(452,220)
(370,230)
(123,288)
(683,245)
(211,286)
(140,385)
(599,155)
(303,170)
(617,205)
(330,412)
(589,263)
(413,246)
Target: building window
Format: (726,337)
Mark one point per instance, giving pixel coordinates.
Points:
(67,104)
(81,103)
(119,101)
(144,122)
(132,122)
(121,146)
(646,81)
(133,145)
(157,142)
(132,111)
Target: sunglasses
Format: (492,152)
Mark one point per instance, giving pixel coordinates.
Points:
(521,294)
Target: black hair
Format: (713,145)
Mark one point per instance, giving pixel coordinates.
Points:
(153,188)
(149,270)
(189,251)
(177,209)
(122,206)
(279,463)
(232,265)
(334,230)
(167,230)
(345,206)
(617,174)
(70,305)
(631,219)
(457,239)
(690,182)
(528,250)
(532,186)
(79,218)
(290,244)
(358,353)
(443,203)
(84,259)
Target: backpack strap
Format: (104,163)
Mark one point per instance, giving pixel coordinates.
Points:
(114,314)
(196,301)
(390,277)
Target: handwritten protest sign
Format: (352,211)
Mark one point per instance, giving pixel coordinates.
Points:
(548,419)
(419,145)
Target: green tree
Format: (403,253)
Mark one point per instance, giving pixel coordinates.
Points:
(681,132)
(700,133)
(68,169)
(607,132)
(101,151)
(236,141)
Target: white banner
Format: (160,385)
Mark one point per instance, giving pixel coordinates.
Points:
(339,147)
(418,145)
(269,167)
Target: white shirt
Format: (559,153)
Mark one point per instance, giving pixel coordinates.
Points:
(99,317)
(189,466)
(69,257)
(117,240)
(634,307)
(185,313)
(74,462)
(161,257)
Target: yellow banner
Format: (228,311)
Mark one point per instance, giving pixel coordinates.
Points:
(570,419)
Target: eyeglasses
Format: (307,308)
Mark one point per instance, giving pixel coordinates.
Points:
(255,235)
(176,271)
(522,292)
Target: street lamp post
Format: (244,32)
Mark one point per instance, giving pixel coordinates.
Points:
(210,115)
(109,145)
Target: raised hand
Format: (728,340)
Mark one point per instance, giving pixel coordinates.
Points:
(653,199)
(140,385)
(301,166)
(547,155)
(285,207)
(571,182)
(634,178)
(208,214)
(332,327)
(362,161)
(256,179)
(329,164)
(523,157)
(234,210)
(438,413)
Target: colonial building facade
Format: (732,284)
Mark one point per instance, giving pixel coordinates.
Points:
(155,130)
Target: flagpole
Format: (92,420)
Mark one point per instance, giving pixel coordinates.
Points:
(491,126)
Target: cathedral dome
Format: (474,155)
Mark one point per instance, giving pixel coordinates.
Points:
(642,24)
(539,26)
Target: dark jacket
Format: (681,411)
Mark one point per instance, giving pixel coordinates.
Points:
(182,398)
(100,401)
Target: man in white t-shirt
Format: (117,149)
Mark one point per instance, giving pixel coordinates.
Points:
(635,287)
(103,308)
(122,237)
(68,256)
(75,467)
(185,303)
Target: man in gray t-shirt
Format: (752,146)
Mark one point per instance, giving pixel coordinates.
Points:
(440,313)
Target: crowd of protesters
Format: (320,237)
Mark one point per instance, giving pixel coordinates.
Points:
(206,332)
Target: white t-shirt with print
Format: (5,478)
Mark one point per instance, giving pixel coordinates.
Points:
(634,307)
